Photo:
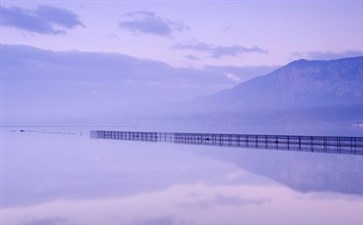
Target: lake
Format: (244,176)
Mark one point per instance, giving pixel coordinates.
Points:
(60,176)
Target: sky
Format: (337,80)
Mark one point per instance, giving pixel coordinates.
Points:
(190,34)
(66,55)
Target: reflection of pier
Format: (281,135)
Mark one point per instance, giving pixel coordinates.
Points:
(326,144)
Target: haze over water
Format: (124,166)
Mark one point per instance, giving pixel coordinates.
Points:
(265,67)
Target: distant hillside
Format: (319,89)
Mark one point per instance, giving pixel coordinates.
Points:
(301,91)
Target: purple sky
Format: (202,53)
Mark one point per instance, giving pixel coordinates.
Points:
(66,58)
(188,34)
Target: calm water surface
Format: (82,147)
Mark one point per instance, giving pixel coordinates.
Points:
(70,179)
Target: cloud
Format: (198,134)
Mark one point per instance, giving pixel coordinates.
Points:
(61,17)
(218,51)
(44,83)
(96,66)
(242,73)
(237,201)
(43,20)
(48,221)
(62,84)
(327,55)
(150,23)
(157,221)
(233,76)
(191,57)
(222,200)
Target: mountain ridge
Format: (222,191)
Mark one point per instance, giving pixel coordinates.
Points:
(316,88)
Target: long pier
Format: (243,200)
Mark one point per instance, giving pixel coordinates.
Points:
(324,144)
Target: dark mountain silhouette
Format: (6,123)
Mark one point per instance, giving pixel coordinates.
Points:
(302,91)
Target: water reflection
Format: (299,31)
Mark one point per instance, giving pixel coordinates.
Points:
(73,180)
(301,171)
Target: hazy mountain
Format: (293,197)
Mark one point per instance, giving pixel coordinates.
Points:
(301,91)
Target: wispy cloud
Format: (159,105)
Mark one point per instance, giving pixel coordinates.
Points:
(44,19)
(218,51)
(149,23)
(191,57)
(242,73)
(327,55)
(156,221)
(222,200)
(59,84)
(48,84)
(61,17)
(49,221)
(35,65)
